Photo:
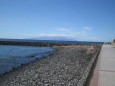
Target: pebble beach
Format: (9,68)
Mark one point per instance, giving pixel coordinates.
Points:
(68,66)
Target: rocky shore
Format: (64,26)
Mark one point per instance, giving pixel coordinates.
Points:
(69,66)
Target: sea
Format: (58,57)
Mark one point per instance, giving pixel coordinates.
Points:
(14,56)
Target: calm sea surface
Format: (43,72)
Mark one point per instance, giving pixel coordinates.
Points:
(14,56)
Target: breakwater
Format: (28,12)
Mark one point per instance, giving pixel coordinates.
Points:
(40,43)
(32,43)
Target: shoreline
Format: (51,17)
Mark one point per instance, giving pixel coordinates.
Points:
(16,56)
(64,67)
(27,64)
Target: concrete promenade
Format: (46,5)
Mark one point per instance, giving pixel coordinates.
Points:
(107,66)
(104,73)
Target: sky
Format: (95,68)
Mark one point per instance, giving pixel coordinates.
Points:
(81,20)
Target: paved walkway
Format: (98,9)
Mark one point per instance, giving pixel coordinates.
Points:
(104,74)
(107,66)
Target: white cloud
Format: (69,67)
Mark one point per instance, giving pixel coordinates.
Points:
(45,35)
(87,28)
(90,39)
(69,34)
(63,29)
(75,34)
(50,35)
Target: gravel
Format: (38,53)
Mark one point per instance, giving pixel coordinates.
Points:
(69,66)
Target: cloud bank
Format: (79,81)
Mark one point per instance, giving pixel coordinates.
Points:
(66,34)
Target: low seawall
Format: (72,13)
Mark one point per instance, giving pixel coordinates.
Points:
(86,77)
(42,43)
(31,43)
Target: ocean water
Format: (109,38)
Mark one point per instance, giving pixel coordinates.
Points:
(14,56)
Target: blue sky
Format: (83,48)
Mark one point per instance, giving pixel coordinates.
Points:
(86,20)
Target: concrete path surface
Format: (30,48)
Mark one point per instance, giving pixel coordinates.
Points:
(107,66)
(104,73)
